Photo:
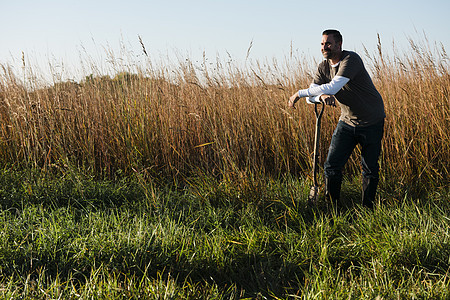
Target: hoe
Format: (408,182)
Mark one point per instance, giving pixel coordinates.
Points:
(314,192)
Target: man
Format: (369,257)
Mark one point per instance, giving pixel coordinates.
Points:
(343,77)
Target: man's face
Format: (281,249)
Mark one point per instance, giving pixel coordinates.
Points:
(329,47)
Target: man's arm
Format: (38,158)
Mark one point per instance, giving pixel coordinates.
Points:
(313,99)
(320,86)
(317,93)
(330,88)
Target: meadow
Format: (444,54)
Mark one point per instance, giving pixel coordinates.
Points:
(190,181)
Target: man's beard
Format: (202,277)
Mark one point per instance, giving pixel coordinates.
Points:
(327,54)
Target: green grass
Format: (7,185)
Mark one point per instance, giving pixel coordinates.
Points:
(72,237)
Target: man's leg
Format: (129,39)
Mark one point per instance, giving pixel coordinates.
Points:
(342,144)
(370,152)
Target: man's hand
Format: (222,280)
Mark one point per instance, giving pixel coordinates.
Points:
(329,100)
(294,98)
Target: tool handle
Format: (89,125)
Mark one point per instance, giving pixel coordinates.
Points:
(316,111)
(317,138)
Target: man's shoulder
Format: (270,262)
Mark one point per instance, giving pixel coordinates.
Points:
(350,55)
(346,55)
(324,65)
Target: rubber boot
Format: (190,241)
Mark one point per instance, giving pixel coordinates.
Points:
(369,189)
(333,189)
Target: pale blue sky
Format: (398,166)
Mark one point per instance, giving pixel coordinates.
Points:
(57,29)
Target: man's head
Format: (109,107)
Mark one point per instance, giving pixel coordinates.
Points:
(331,45)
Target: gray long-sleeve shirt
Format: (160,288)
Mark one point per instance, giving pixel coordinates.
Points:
(361,104)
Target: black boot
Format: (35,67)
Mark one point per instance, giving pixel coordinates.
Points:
(333,189)
(369,189)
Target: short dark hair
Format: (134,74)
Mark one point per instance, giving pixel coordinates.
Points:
(336,34)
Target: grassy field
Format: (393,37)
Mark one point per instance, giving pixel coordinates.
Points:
(76,238)
(190,181)
(221,118)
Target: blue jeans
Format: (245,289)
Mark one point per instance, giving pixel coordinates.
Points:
(343,142)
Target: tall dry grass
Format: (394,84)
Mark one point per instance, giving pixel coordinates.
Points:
(221,118)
